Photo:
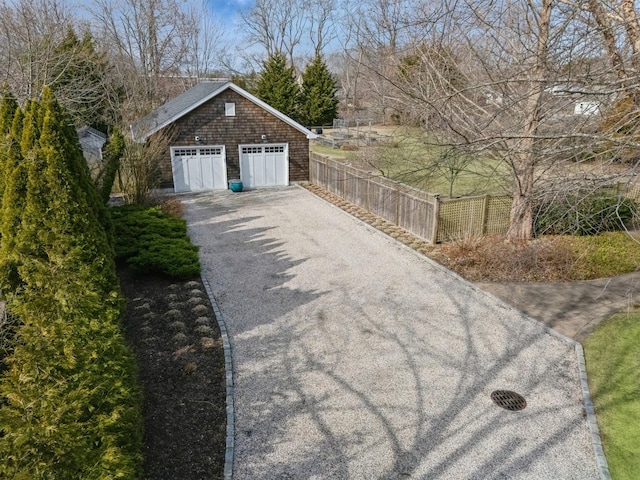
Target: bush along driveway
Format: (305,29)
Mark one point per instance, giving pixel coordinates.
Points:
(355,357)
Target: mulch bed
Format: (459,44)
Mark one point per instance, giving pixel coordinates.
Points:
(171,327)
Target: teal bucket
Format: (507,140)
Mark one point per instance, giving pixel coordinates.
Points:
(235,185)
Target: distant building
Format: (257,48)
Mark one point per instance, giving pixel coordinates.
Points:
(91,141)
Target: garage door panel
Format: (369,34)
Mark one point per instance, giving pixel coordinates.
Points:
(180,181)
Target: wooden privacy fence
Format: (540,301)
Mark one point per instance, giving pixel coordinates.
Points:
(423,214)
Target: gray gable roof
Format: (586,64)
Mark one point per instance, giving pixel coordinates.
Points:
(193,98)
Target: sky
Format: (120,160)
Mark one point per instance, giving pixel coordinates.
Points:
(228,9)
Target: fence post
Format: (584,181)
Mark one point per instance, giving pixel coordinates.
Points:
(434,221)
(485,214)
(367,192)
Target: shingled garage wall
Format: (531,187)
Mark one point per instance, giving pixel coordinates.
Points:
(249,124)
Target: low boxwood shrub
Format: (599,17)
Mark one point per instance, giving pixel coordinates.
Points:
(151,241)
(584,214)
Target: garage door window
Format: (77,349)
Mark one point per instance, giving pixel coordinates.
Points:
(211,151)
(246,150)
(276,149)
(185,152)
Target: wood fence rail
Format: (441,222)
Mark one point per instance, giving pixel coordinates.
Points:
(425,215)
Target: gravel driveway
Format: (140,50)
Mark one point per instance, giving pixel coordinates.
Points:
(356,358)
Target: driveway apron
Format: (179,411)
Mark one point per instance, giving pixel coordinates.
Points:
(356,358)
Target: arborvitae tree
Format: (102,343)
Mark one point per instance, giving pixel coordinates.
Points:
(8,107)
(74,224)
(66,138)
(58,221)
(30,127)
(113,151)
(318,101)
(277,86)
(13,201)
(69,405)
(30,234)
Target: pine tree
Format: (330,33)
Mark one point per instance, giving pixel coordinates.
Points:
(277,86)
(318,101)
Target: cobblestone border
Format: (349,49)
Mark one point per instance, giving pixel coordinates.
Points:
(228,367)
(601,460)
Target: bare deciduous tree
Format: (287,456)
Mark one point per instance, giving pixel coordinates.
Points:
(519,82)
(140,167)
(39,47)
(277,26)
(154,44)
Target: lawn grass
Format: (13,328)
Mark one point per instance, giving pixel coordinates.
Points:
(330,151)
(613,365)
(416,162)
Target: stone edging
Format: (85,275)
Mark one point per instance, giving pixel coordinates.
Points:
(601,460)
(228,367)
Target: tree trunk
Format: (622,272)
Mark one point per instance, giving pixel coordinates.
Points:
(521,217)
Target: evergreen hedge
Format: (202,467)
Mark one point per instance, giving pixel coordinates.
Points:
(69,401)
(584,214)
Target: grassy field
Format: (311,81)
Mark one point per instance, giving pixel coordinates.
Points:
(411,159)
(613,364)
(330,151)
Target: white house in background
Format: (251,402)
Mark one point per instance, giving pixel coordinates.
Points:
(587,108)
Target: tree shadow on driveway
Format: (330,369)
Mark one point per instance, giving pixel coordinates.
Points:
(357,359)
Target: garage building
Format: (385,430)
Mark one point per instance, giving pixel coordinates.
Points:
(219,132)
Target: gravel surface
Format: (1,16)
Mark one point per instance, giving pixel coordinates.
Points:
(356,358)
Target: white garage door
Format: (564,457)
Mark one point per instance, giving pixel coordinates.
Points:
(198,168)
(264,165)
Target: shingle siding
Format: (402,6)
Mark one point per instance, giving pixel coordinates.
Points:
(250,122)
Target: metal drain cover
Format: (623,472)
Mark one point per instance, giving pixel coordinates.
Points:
(508,400)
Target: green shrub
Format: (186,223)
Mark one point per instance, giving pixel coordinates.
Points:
(151,241)
(176,257)
(605,255)
(579,214)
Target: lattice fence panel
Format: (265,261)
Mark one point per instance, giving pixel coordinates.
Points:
(497,214)
(472,217)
